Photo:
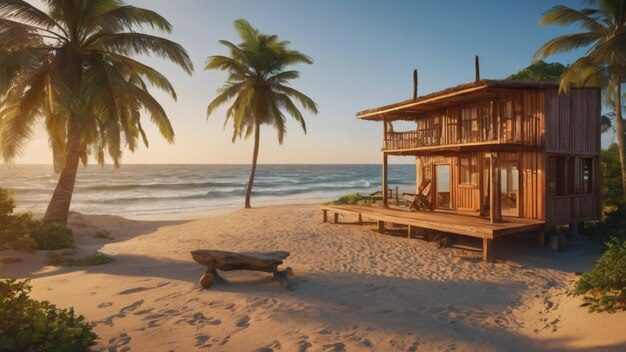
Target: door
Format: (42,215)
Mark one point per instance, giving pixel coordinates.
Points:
(442,181)
(509,186)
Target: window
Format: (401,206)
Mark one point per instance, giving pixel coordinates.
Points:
(468,171)
(469,124)
(587,174)
(560,175)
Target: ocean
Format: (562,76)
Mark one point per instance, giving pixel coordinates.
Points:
(152,190)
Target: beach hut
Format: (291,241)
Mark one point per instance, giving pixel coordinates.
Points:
(503,157)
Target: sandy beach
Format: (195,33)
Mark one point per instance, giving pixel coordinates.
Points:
(354,289)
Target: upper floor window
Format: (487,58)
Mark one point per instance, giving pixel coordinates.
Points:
(469,123)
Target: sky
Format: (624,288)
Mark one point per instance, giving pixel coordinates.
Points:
(364,53)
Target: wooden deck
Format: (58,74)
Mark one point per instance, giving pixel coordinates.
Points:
(465,224)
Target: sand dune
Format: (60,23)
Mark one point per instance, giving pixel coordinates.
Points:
(355,290)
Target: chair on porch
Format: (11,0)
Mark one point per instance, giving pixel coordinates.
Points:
(419,200)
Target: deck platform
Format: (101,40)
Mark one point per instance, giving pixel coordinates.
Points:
(459,223)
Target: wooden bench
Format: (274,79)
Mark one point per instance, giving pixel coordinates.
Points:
(256,261)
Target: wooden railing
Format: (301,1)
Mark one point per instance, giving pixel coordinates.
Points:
(431,137)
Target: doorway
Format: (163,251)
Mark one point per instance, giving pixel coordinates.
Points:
(509,186)
(442,181)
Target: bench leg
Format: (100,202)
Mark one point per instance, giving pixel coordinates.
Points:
(360,219)
(336,218)
(207,279)
(487,250)
(325,215)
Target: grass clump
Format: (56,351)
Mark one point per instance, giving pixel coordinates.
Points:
(604,287)
(30,325)
(7,202)
(64,259)
(354,198)
(103,234)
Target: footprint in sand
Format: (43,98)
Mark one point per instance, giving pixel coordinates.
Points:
(140,289)
(131,307)
(304,345)
(243,322)
(201,341)
(105,304)
(119,343)
(199,318)
(335,347)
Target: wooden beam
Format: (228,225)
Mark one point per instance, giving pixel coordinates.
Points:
(476,68)
(487,249)
(385,186)
(414,84)
(411,231)
(495,212)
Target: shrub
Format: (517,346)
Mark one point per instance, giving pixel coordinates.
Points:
(354,198)
(30,325)
(62,259)
(604,287)
(53,236)
(613,224)
(7,202)
(24,233)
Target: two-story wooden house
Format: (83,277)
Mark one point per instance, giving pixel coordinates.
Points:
(502,148)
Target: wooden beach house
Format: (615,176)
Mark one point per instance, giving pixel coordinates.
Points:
(497,157)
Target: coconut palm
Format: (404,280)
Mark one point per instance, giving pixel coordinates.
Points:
(258,85)
(604,63)
(71,67)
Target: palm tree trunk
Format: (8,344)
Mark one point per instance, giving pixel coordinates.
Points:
(255,155)
(619,131)
(59,206)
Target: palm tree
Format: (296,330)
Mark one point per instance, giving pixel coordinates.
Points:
(258,83)
(605,60)
(72,67)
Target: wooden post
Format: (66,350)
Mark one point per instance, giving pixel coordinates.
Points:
(495,211)
(411,231)
(487,249)
(498,119)
(385,190)
(360,219)
(381,226)
(325,212)
(336,218)
(397,197)
(207,279)
(541,239)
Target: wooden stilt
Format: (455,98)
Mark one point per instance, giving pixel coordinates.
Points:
(381,226)
(541,239)
(207,279)
(336,218)
(411,231)
(487,250)
(385,187)
(325,216)
(360,219)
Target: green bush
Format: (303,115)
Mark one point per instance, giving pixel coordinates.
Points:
(604,287)
(354,198)
(103,234)
(62,259)
(30,325)
(613,224)
(24,233)
(7,202)
(53,236)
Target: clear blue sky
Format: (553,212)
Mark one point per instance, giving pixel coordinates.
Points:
(364,52)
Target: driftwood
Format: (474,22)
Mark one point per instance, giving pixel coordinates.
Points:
(226,261)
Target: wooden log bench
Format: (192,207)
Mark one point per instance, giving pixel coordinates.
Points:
(256,261)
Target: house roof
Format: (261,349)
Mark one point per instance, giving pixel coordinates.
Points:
(409,109)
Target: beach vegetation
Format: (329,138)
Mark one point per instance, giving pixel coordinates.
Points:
(604,287)
(7,202)
(30,325)
(21,232)
(65,259)
(258,86)
(354,198)
(612,224)
(603,34)
(612,192)
(71,67)
(103,234)
(540,70)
